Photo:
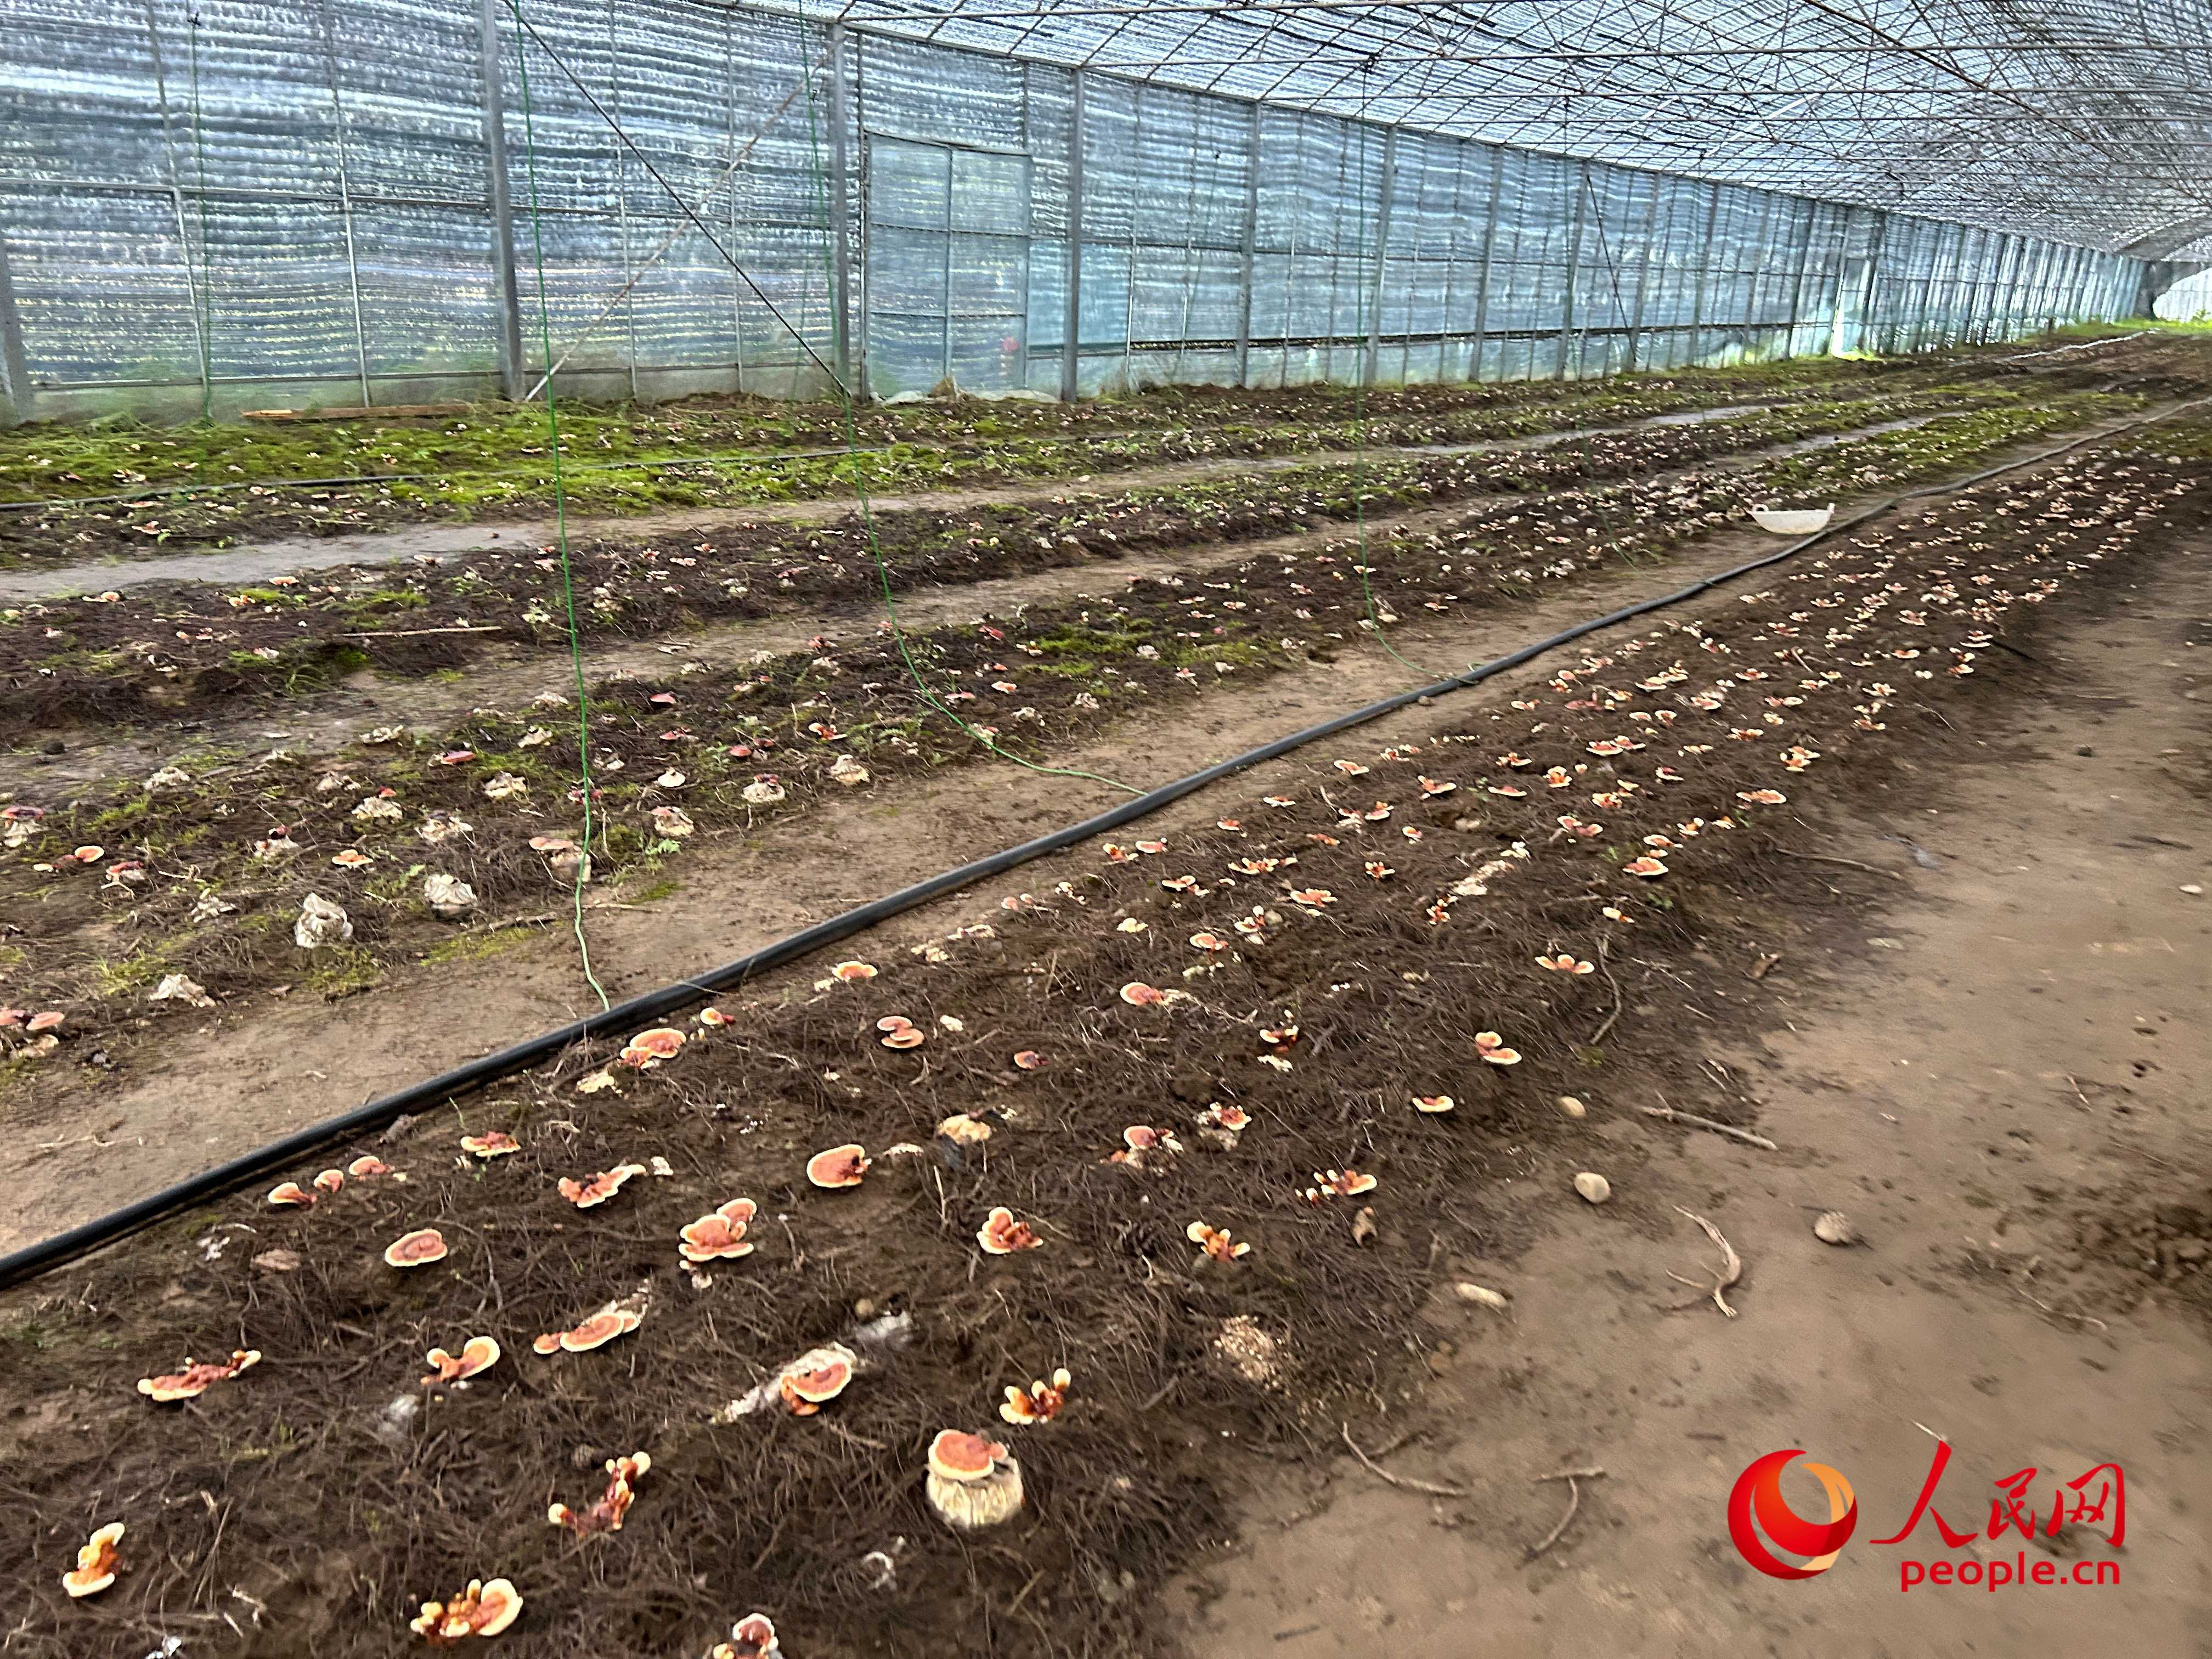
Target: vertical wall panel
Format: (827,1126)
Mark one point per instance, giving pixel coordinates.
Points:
(285,200)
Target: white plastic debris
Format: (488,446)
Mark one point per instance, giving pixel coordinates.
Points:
(1786,521)
(320,923)
(448,896)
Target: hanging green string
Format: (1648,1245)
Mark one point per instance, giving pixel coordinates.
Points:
(206,299)
(1359,402)
(859,482)
(559,519)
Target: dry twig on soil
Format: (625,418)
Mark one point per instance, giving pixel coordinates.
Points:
(1731,1266)
(1673,1115)
(1574,1503)
(1404,1480)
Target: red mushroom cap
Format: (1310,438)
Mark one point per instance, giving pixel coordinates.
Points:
(955,1454)
(290,1193)
(1001,1235)
(841,1166)
(329,1181)
(752,1636)
(713,1238)
(601,1329)
(493,1143)
(598,1188)
(806,1391)
(1030,1061)
(363,1167)
(662,1042)
(499,1604)
(417,1249)
(737,1211)
(194,1380)
(97,1562)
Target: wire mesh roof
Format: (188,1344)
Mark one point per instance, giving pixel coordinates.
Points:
(2085,121)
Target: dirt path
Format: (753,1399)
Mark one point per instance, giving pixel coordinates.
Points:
(2011,1041)
(257,561)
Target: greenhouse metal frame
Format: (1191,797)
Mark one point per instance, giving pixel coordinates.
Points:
(206,207)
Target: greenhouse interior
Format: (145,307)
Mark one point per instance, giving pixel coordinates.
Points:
(1092,828)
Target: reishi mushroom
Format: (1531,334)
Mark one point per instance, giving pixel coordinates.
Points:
(482,1609)
(493,1143)
(290,1193)
(606,1515)
(815,1378)
(193,1380)
(478,1354)
(597,1189)
(97,1563)
(1040,1403)
(417,1249)
(752,1636)
(595,1331)
(1001,1235)
(1216,1242)
(715,1237)
(973,1482)
(838,1167)
(1492,1047)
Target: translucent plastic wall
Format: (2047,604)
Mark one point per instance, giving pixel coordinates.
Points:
(227,203)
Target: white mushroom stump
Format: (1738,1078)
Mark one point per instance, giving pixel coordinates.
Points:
(974,1481)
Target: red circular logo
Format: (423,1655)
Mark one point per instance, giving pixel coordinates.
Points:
(1756,1504)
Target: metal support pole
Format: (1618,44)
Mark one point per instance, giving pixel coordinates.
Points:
(1574,269)
(1489,247)
(1804,267)
(1248,249)
(177,208)
(1753,291)
(1459,152)
(505,302)
(1368,370)
(1919,341)
(345,196)
(1071,344)
(17,403)
(1698,287)
(1644,253)
(841,218)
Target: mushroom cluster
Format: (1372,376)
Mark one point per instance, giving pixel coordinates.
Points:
(482,1609)
(194,1379)
(595,1331)
(606,1514)
(1040,1401)
(719,1235)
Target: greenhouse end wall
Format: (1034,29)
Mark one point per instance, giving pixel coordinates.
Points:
(217,204)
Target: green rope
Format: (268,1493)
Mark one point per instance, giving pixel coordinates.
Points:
(1359,414)
(860,488)
(206,299)
(561,521)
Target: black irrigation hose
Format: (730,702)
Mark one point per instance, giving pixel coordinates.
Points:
(224,1178)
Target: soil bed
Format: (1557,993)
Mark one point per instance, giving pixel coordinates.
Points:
(203,867)
(1319,962)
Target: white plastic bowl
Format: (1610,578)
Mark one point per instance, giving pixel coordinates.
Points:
(1802,521)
